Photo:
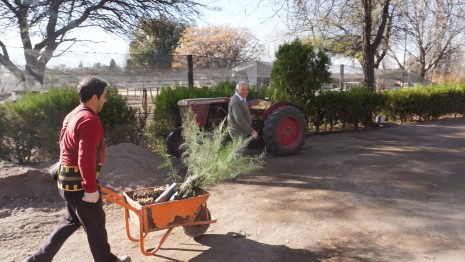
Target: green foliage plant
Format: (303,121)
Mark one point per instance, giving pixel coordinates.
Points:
(32,124)
(118,119)
(355,107)
(425,102)
(153,42)
(2,132)
(209,160)
(298,72)
(364,106)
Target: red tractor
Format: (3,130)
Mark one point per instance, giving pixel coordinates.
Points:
(281,126)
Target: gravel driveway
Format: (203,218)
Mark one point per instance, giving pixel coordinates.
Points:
(386,194)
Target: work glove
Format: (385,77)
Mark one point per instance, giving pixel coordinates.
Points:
(91,197)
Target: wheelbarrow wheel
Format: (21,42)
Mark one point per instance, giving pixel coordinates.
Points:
(198,230)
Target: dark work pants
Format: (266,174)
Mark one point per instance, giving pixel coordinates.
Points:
(78,213)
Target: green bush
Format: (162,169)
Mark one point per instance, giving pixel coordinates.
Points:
(32,124)
(29,128)
(298,73)
(397,105)
(425,102)
(118,119)
(209,160)
(359,105)
(356,106)
(2,132)
(364,106)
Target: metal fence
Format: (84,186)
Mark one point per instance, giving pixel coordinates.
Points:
(140,78)
(133,74)
(126,71)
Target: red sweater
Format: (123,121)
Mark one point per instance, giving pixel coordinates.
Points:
(81,139)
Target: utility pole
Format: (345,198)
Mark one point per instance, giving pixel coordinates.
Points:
(341,78)
(405,51)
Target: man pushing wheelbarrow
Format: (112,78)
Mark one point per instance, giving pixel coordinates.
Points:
(82,152)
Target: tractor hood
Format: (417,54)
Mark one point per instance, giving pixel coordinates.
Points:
(259,104)
(202,101)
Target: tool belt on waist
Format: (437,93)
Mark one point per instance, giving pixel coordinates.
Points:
(70,178)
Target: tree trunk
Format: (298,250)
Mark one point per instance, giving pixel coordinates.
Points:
(422,62)
(368,50)
(35,69)
(369,68)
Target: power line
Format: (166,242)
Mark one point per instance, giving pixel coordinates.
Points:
(72,51)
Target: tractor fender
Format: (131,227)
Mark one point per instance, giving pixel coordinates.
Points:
(276,105)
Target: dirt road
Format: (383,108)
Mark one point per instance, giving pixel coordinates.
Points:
(387,194)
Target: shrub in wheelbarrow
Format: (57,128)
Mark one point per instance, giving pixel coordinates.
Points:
(209,160)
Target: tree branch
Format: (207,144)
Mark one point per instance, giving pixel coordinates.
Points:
(6,62)
(381,28)
(10,7)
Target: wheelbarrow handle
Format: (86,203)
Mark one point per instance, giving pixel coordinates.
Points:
(113,197)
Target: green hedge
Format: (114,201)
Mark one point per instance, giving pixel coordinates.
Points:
(166,113)
(354,107)
(2,131)
(359,106)
(31,125)
(118,120)
(426,102)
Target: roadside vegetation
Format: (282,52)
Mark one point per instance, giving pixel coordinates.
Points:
(30,126)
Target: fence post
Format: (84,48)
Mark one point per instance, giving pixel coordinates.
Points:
(341,78)
(190,73)
(144,100)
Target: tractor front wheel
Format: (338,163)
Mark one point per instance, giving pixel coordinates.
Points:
(284,131)
(174,141)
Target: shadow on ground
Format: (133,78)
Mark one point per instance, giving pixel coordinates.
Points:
(229,247)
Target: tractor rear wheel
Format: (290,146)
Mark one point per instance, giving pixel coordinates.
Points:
(174,141)
(198,230)
(284,131)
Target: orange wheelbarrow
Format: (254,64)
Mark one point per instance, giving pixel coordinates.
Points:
(190,213)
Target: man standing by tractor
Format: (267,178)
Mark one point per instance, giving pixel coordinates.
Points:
(239,118)
(81,153)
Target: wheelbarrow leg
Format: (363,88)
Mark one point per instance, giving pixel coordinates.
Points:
(128,229)
(113,197)
(151,253)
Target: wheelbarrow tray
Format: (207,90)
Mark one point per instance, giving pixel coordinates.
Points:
(167,214)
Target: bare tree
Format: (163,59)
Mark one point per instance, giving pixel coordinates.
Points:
(357,28)
(52,20)
(218,46)
(433,33)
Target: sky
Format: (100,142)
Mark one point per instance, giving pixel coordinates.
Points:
(265,21)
